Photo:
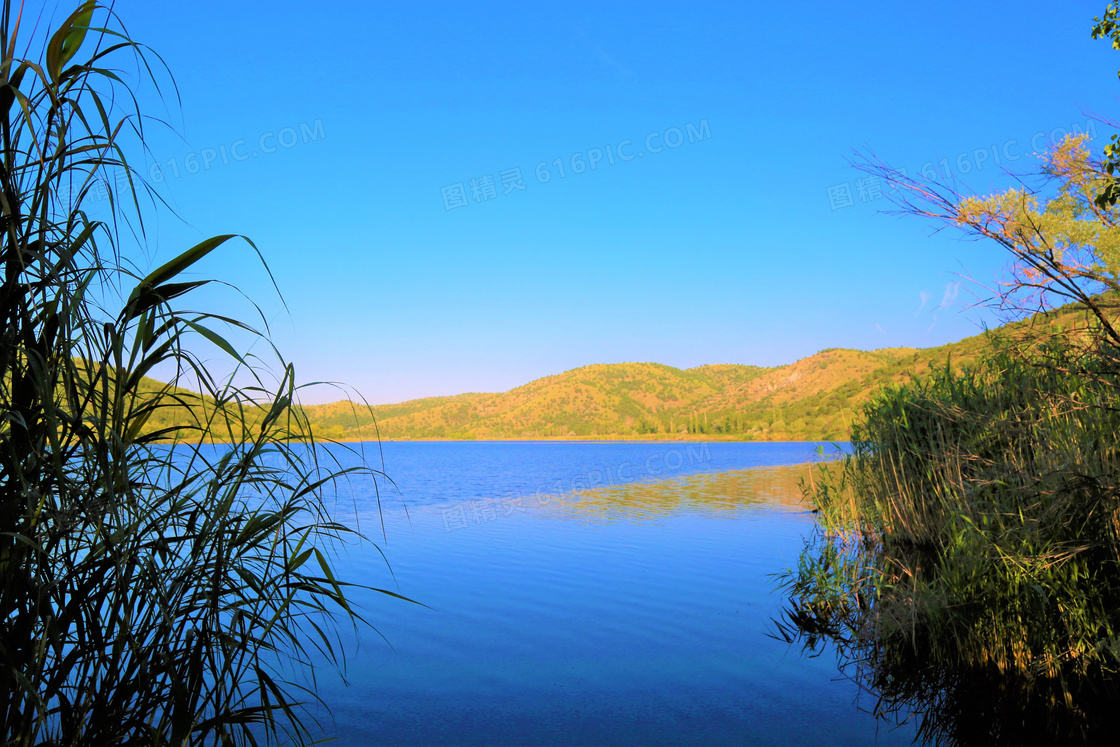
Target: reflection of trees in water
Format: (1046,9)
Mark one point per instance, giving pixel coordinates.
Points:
(843,598)
(715,494)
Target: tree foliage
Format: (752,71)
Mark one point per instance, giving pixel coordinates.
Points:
(1109,27)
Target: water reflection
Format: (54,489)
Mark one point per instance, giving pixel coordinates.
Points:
(712,495)
(632,614)
(961,688)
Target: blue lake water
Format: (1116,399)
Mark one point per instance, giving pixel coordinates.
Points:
(586,593)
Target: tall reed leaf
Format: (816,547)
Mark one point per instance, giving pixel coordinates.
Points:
(154,588)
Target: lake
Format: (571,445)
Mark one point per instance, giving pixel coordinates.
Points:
(587,593)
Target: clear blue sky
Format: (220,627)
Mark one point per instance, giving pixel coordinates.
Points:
(736,247)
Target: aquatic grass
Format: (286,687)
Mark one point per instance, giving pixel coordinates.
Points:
(971,536)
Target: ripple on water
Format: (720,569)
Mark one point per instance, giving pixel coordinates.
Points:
(630,614)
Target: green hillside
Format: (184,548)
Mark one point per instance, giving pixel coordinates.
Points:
(810,399)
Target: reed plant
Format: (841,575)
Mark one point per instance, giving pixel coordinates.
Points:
(155,589)
(972,536)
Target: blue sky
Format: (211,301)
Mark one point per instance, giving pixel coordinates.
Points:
(335,137)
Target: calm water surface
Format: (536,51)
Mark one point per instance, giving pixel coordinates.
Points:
(587,593)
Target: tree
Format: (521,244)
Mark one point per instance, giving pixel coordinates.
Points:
(1062,232)
(1063,240)
(151,591)
(1109,27)
(968,555)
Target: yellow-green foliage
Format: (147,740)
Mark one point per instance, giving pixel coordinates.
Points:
(812,399)
(974,535)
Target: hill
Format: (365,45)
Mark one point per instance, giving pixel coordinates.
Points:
(810,399)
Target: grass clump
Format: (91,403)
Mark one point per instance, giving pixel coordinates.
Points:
(968,559)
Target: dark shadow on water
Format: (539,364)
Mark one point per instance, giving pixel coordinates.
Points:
(958,690)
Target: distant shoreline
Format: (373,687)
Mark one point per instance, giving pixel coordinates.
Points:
(646,438)
(652,438)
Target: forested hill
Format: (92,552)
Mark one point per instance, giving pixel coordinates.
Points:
(811,399)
